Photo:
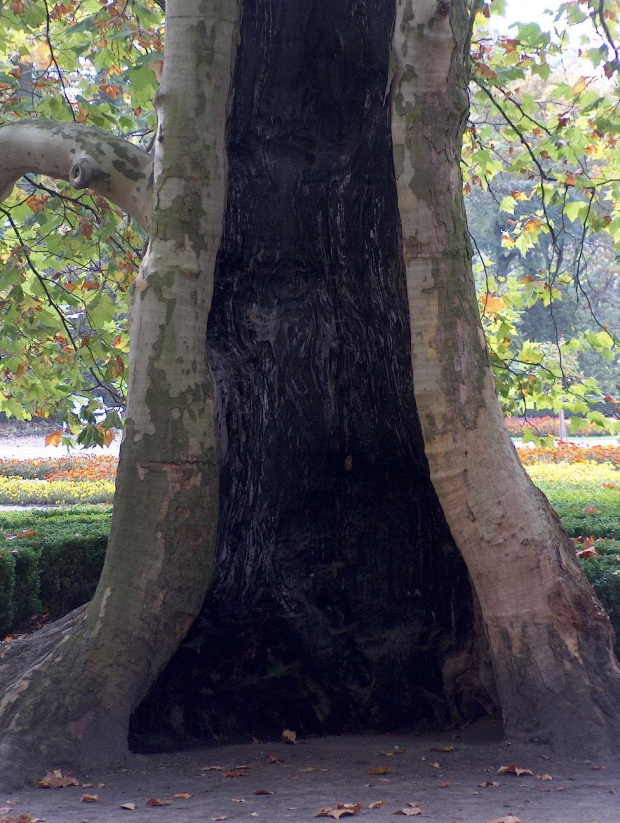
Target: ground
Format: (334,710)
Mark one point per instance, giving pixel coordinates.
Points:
(322,772)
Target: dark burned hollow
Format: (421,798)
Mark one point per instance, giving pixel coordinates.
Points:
(339,600)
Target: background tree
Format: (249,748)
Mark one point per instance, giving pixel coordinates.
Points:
(337,583)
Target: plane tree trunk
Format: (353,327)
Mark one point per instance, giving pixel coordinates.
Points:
(68,692)
(551,641)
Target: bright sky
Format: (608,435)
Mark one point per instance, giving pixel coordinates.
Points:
(529,11)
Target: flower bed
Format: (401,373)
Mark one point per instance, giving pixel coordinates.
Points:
(550,425)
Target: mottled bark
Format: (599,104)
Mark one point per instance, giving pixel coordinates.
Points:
(551,641)
(71,704)
(338,599)
(84,156)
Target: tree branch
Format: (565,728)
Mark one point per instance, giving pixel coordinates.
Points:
(84,156)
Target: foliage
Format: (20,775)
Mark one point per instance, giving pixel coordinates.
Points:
(50,561)
(542,176)
(15,491)
(67,260)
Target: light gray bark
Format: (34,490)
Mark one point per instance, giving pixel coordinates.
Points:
(551,641)
(71,704)
(84,156)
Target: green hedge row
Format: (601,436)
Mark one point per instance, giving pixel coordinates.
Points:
(53,570)
(56,569)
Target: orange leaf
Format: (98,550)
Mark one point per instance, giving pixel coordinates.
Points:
(586,553)
(491,304)
(56,780)
(155,801)
(89,798)
(512,769)
(54,438)
(90,285)
(183,796)
(379,770)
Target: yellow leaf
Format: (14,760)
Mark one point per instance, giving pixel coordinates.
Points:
(579,85)
(379,770)
(492,304)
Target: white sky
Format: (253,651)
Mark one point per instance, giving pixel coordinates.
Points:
(529,11)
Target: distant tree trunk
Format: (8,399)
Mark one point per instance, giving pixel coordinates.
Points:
(550,640)
(338,600)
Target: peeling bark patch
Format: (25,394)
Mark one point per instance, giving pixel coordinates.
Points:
(100,616)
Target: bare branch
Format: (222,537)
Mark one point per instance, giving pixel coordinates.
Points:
(84,156)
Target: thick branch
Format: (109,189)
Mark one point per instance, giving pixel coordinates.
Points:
(84,156)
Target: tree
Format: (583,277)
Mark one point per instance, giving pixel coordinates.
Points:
(336,582)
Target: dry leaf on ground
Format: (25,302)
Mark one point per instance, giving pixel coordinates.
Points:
(89,798)
(22,818)
(378,804)
(289,736)
(487,784)
(271,758)
(183,796)
(512,769)
(311,769)
(212,768)
(56,780)
(130,807)
(379,770)
(409,811)
(156,801)
(263,791)
(509,818)
(445,785)
(443,749)
(236,773)
(341,810)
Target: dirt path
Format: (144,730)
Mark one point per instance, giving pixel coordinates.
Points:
(299,780)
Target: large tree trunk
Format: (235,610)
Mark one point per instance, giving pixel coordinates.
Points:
(550,639)
(70,702)
(338,600)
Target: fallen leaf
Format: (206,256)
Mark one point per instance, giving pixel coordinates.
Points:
(22,818)
(271,758)
(256,740)
(596,768)
(378,804)
(131,807)
(487,784)
(87,785)
(217,818)
(610,791)
(411,812)
(443,785)
(435,765)
(289,737)
(237,800)
(236,773)
(443,749)
(155,801)
(379,770)
(183,795)
(243,766)
(56,780)
(212,769)
(89,798)
(512,769)
(263,791)
(311,769)
(341,810)
(544,777)
(510,818)
(387,754)
(253,814)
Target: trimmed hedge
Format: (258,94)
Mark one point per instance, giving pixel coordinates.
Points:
(53,570)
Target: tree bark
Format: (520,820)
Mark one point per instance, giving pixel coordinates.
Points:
(71,704)
(550,639)
(338,600)
(84,156)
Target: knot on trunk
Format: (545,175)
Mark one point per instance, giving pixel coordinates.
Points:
(84,172)
(443,9)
